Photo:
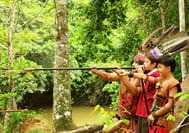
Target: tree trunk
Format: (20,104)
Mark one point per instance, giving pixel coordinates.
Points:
(62,114)
(11,30)
(11,104)
(87,129)
(182,28)
(162,14)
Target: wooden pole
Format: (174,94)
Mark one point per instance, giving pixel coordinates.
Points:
(9,111)
(86,129)
(68,68)
(182,28)
(83,68)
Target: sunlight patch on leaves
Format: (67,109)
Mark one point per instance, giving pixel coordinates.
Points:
(170,117)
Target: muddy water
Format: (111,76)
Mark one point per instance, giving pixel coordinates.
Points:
(81,115)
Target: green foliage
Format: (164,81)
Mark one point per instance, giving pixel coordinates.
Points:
(170,117)
(103,116)
(182,96)
(33,42)
(29,82)
(16,121)
(102,33)
(3,99)
(113,89)
(107,118)
(95,44)
(25,82)
(177,72)
(182,114)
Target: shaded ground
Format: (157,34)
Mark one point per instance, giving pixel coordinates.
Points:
(35,124)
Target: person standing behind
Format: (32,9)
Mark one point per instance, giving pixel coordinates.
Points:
(126,96)
(167,86)
(146,93)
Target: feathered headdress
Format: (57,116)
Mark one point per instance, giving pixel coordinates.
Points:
(169,42)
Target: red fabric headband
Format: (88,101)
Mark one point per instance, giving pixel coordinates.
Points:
(139,57)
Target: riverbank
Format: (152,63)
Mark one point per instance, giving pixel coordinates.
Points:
(82,115)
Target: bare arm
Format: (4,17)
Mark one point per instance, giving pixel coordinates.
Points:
(141,76)
(131,85)
(165,109)
(105,75)
(145,77)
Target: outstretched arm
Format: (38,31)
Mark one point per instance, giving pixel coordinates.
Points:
(132,84)
(140,76)
(105,75)
(145,77)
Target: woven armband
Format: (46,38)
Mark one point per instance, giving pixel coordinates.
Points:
(131,74)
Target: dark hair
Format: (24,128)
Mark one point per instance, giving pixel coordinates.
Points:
(151,58)
(167,60)
(140,62)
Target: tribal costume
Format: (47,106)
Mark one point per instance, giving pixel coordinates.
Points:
(161,125)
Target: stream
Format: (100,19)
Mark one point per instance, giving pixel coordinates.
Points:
(81,115)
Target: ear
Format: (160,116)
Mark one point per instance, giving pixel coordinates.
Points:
(169,68)
(154,64)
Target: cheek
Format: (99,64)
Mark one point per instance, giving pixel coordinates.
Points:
(160,70)
(134,64)
(166,70)
(146,65)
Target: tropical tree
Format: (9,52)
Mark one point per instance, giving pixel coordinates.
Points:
(20,36)
(62,114)
(11,104)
